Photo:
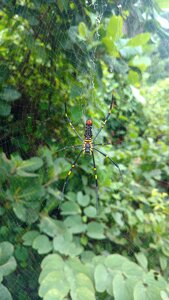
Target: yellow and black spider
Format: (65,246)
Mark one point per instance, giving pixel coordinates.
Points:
(88,147)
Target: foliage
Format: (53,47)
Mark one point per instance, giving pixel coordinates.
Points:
(67,249)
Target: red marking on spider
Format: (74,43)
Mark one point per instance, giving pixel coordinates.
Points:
(89,122)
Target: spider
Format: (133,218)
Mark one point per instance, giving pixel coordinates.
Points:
(88,147)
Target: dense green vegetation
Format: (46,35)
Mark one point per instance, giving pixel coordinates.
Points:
(82,53)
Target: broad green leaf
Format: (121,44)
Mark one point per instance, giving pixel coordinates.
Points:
(74,223)
(83,200)
(90,212)
(42,244)
(132,269)
(10,94)
(66,247)
(82,293)
(133,77)
(54,294)
(82,28)
(4,292)
(123,287)
(31,164)
(8,267)
(5,109)
(142,62)
(95,230)
(114,32)
(139,40)
(142,260)
(63,5)
(20,211)
(22,173)
(150,287)
(54,280)
(29,237)
(101,278)
(52,259)
(52,227)
(114,29)
(70,208)
(6,251)
(115,261)
(163,3)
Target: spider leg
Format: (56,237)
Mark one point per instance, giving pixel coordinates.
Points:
(110,144)
(116,165)
(68,174)
(108,115)
(69,147)
(96,180)
(70,123)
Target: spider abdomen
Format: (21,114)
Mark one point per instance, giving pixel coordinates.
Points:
(87,147)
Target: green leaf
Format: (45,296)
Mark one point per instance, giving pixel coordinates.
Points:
(83,200)
(29,237)
(115,261)
(10,94)
(90,212)
(163,3)
(31,164)
(6,251)
(52,227)
(150,287)
(142,260)
(42,244)
(82,30)
(4,292)
(114,29)
(70,208)
(95,230)
(133,77)
(5,109)
(101,278)
(141,62)
(139,40)
(66,247)
(54,281)
(123,287)
(8,267)
(114,32)
(52,259)
(74,223)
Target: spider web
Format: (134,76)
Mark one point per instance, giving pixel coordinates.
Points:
(26,111)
